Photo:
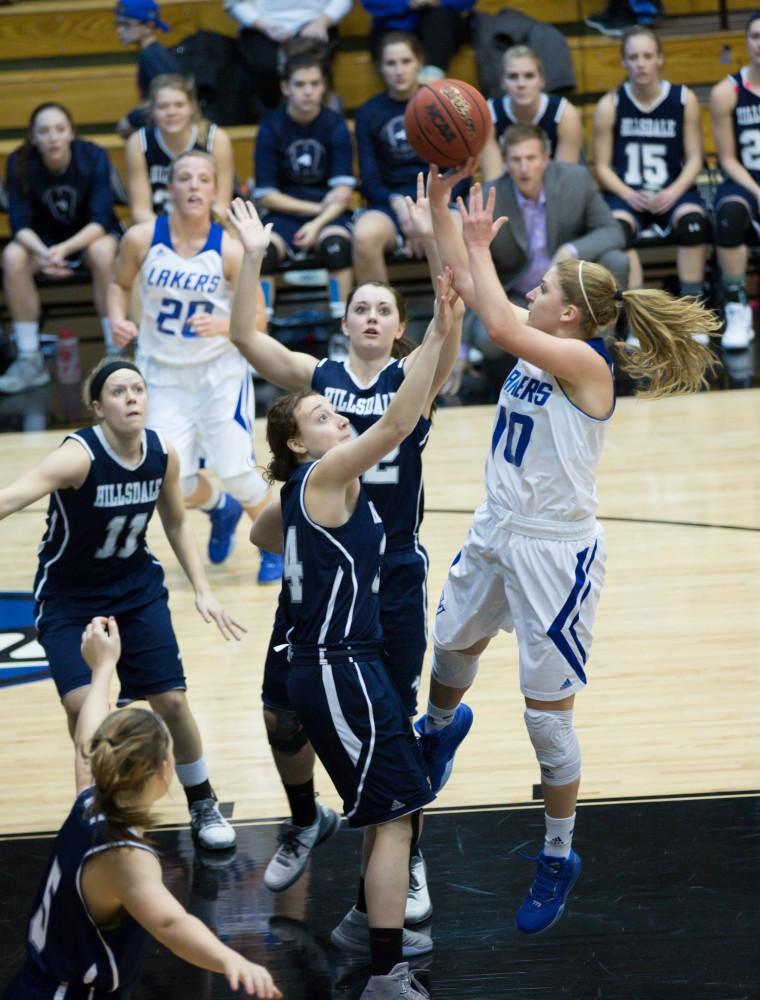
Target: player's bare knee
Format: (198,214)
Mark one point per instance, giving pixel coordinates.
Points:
(249,488)
(15,259)
(555,744)
(100,255)
(172,706)
(454,669)
(285,733)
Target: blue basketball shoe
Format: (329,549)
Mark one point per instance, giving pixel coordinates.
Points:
(438,748)
(545,902)
(270,567)
(224,520)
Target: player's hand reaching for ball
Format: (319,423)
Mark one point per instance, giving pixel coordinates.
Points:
(445,299)
(101,644)
(478,224)
(253,235)
(254,979)
(440,186)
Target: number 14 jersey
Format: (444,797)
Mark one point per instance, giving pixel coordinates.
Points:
(95,545)
(544,449)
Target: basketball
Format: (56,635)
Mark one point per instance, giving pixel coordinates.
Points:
(447,122)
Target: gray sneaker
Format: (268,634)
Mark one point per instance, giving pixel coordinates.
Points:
(352,934)
(398,983)
(209,826)
(296,844)
(27,372)
(419,908)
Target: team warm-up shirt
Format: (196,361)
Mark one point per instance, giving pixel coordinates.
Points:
(395,484)
(747,124)
(387,163)
(62,939)
(549,114)
(59,205)
(173,289)
(648,150)
(303,161)
(159,159)
(331,575)
(95,546)
(544,449)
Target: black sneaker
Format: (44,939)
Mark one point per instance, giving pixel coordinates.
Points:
(613,21)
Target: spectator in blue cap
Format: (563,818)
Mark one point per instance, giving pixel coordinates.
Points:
(137,22)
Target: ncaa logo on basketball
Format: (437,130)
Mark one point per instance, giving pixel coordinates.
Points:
(22,659)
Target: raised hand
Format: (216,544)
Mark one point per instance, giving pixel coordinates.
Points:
(445,299)
(101,644)
(478,224)
(440,186)
(253,235)
(420,225)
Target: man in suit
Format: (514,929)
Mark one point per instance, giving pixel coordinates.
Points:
(555,212)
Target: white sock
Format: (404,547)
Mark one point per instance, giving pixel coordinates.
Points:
(105,326)
(214,500)
(27,337)
(193,773)
(438,718)
(558,838)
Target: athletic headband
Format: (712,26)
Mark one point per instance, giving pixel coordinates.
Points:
(585,297)
(100,376)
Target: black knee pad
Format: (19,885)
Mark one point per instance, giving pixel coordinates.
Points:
(271,260)
(284,731)
(732,219)
(629,233)
(692,230)
(335,253)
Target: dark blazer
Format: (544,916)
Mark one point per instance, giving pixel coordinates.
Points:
(575,213)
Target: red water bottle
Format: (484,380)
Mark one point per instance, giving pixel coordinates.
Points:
(67,364)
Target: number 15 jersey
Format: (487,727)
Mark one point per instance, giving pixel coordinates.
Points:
(648,149)
(95,546)
(173,289)
(544,449)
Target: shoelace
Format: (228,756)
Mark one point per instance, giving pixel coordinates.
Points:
(289,841)
(210,816)
(545,884)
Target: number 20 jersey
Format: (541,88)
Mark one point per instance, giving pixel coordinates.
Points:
(95,546)
(173,288)
(544,450)
(747,124)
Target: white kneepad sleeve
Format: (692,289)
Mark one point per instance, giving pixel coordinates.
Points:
(456,670)
(249,489)
(557,749)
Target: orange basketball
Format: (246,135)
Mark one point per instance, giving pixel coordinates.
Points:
(446,122)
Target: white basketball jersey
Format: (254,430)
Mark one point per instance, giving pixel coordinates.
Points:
(544,450)
(173,288)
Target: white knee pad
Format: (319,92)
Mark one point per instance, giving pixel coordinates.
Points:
(188,485)
(557,749)
(452,669)
(249,489)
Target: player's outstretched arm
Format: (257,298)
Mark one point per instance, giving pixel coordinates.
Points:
(180,535)
(64,468)
(133,877)
(101,649)
(291,370)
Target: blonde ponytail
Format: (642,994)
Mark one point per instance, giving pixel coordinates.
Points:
(669,359)
(128,748)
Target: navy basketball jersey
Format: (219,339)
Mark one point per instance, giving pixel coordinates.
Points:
(747,124)
(647,149)
(158,159)
(95,540)
(331,575)
(394,485)
(549,114)
(63,941)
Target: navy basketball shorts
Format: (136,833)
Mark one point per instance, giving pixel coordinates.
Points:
(150,660)
(358,727)
(32,984)
(403,617)
(661,224)
(274,688)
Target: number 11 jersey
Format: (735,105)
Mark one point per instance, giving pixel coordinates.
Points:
(95,546)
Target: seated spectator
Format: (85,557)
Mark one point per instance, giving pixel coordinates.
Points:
(304,179)
(175,126)
(555,212)
(619,15)
(647,157)
(524,102)
(440,25)
(137,22)
(735,109)
(266,24)
(61,215)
